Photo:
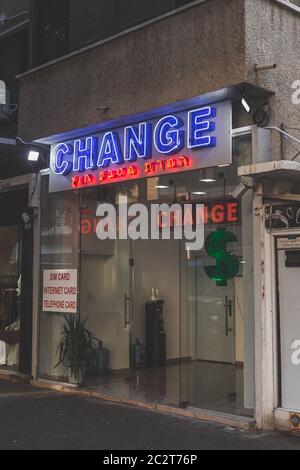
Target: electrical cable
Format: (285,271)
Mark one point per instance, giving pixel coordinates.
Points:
(238,302)
(35,185)
(291,145)
(273,128)
(294,148)
(4,19)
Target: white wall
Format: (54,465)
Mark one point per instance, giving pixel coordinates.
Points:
(157,264)
(105,280)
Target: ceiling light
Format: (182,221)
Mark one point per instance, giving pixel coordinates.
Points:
(199,193)
(207,180)
(162,187)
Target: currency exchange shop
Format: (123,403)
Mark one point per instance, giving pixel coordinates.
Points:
(148,318)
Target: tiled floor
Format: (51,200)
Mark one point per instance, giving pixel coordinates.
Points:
(216,387)
(4,367)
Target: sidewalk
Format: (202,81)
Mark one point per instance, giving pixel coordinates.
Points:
(32,418)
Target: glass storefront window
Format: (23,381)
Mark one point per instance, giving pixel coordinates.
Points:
(165,331)
(217,370)
(59,250)
(15,281)
(10,269)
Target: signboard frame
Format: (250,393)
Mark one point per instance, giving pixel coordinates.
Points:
(185,140)
(60,291)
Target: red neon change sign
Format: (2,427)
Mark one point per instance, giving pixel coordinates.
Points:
(214,213)
(227,212)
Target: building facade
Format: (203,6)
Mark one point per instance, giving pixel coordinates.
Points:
(17,198)
(177,104)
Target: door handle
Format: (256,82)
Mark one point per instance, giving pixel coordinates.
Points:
(126,300)
(226,307)
(228,315)
(230,312)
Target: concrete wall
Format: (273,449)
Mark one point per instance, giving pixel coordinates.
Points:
(273,36)
(184,55)
(209,46)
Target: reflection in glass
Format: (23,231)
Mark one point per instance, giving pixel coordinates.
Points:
(10,297)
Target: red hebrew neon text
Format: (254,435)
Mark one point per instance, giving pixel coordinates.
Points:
(170,164)
(118,173)
(132,171)
(78,181)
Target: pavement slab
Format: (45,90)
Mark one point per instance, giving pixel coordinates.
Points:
(39,419)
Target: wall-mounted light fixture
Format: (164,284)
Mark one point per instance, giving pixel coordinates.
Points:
(245,104)
(241,190)
(258,107)
(35,152)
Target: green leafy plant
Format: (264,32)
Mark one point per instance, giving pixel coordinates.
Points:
(77,348)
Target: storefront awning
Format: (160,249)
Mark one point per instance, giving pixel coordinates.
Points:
(276,170)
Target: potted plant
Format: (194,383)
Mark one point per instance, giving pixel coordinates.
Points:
(76,350)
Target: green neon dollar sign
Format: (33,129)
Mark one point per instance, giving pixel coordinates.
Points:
(227,264)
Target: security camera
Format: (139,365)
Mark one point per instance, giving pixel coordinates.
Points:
(240,190)
(26,218)
(8,110)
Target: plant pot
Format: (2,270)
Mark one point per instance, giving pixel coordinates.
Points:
(75,381)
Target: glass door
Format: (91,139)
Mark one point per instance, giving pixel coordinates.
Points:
(130,293)
(106,299)
(214,317)
(156,327)
(106,291)
(213,377)
(218,310)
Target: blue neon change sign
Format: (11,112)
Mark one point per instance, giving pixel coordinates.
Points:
(181,141)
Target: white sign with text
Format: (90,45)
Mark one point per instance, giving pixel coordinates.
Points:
(60,291)
(289,303)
